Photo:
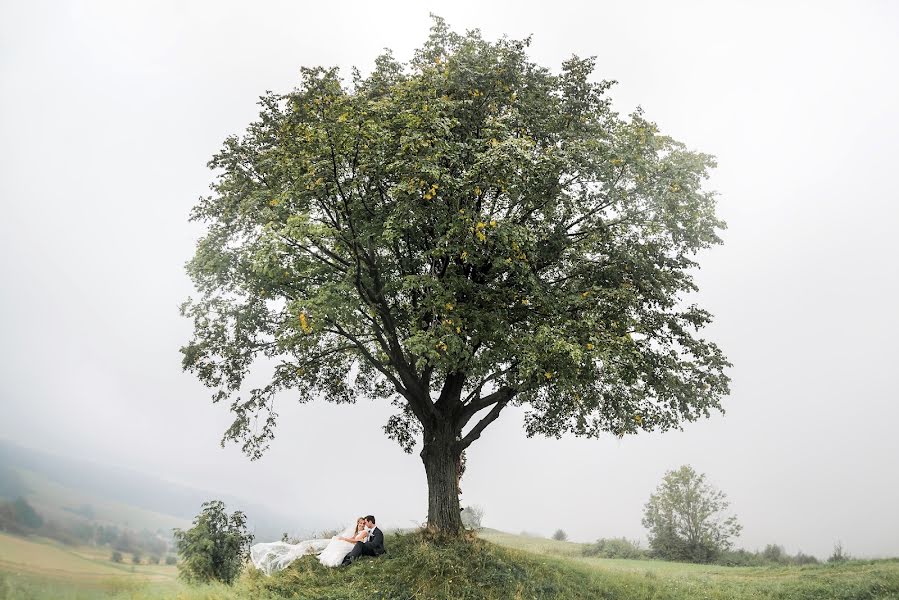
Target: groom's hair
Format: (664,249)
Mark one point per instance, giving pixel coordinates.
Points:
(370,518)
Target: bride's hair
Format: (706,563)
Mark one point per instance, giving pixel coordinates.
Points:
(358,525)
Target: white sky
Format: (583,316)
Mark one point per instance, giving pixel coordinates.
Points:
(110,110)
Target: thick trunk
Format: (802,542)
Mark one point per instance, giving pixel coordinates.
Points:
(441,458)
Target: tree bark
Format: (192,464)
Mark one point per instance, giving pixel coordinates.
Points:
(441,456)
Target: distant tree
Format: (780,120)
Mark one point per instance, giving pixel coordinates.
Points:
(804,559)
(107,534)
(216,547)
(775,553)
(171,560)
(839,554)
(126,541)
(685,518)
(462,233)
(472,516)
(153,560)
(26,515)
(560,535)
(136,557)
(116,556)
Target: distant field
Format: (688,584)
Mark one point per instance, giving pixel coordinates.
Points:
(874,579)
(50,564)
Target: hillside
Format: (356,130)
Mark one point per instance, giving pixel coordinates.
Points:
(67,489)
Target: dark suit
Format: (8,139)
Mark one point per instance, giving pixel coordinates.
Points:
(373,547)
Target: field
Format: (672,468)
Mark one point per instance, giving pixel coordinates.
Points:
(855,579)
(37,564)
(503,566)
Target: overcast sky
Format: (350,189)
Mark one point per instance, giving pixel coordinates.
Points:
(109,112)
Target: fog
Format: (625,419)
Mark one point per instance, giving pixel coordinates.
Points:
(109,112)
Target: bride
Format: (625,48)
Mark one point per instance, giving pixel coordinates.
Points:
(270,557)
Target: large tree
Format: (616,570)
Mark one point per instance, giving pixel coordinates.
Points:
(454,235)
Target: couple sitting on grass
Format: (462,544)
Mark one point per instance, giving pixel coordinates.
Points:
(363,539)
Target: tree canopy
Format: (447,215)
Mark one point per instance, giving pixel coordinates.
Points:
(454,235)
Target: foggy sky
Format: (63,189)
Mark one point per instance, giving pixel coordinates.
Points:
(109,112)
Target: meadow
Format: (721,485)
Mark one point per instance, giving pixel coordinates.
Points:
(497,566)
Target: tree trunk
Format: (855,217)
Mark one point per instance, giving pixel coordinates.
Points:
(441,458)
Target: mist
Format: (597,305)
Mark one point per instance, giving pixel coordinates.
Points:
(111,111)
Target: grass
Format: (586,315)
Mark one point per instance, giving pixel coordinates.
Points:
(501,566)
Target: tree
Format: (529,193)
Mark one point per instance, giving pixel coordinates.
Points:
(472,515)
(838,554)
(215,548)
(560,535)
(455,235)
(116,556)
(685,518)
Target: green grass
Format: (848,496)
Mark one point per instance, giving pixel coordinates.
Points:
(505,567)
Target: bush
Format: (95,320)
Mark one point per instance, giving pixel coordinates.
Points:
(740,558)
(775,554)
(560,535)
(171,560)
(153,560)
(615,548)
(135,557)
(116,557)
(216,547)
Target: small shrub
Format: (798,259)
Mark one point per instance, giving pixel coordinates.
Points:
(171,560)
(153,560)
(615,548)
(116,557)
(135,558)
(216,547)
(560,535)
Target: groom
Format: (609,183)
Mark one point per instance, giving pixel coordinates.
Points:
(373,547)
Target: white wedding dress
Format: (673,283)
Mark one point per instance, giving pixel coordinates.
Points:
(270,557)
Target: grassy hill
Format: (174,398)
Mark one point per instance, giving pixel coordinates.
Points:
(417,567)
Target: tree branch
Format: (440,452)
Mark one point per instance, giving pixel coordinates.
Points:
(489,418)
